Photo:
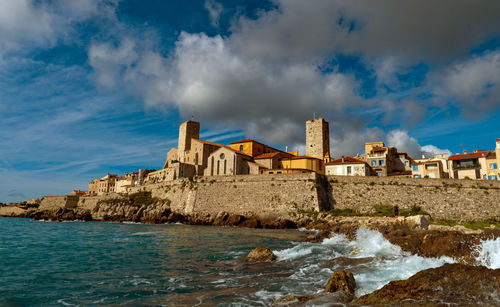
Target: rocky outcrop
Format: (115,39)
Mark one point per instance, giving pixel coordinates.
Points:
(451,284)
(341,281)
(260,254)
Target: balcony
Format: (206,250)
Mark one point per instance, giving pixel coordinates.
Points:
(467,166)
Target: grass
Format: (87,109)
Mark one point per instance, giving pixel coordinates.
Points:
(386,210)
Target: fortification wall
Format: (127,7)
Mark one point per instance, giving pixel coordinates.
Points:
(280,195)
(56,202)
(263,195)
(461,200)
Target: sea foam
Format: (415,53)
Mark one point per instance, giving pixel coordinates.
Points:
(488,253)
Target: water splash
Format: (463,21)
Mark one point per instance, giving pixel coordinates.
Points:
(489,253)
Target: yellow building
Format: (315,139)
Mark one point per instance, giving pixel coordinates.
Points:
(253,148)
(303,163)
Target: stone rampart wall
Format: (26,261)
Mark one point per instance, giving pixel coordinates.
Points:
(56,202)
(461,200)
(280,195)
(263,195)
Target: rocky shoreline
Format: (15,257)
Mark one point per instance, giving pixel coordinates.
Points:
(412,234)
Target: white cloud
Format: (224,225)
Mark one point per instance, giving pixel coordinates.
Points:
(214,10)
(424,29)
(207,79)
(405,143)
(473,83)
(28,23)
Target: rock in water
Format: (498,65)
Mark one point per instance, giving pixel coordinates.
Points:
(450,284)
(341,281)
(260,254)
(418,221)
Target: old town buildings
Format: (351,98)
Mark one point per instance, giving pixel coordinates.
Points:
(196,157)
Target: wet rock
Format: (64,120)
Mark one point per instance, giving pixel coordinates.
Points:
(260,254)
(291,300)
(341,281)
(455,284)
(235,220)
(251,222)
(221,218)
(319,237)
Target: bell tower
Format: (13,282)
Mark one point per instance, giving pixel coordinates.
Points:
(318,139)
(187,130)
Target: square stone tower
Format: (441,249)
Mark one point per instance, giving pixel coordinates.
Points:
(187,130)
(317,138)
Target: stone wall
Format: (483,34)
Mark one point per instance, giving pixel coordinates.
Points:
(55,202)
(283,195)
(262,195)
(462,200)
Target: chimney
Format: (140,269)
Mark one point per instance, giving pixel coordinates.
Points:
(286,148)
(465,151)
(476,151)
(342,159)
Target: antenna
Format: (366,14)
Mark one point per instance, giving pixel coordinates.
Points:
(314,115)
(192,117)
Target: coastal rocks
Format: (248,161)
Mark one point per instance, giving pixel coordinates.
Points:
(341,281)
(454,284)
(417,221)
(260,254)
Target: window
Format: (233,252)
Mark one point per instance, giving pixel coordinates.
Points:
(225,166)
(374,163)
(431,166)
(381,162)
(222,156)
(379,174)
(349,170)
(241,147)
(271,172)
(415,168)
(278,172)
(218,166)
(493,165)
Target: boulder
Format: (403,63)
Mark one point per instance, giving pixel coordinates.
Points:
(341,281)
(251,222)
(260,254)
(418,221)
(450,284)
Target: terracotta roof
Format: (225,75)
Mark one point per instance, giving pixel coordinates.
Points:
(259,165)
(209,143)
(347,160)
(472,155)
(302,157)
(236,151)
(246,141)
(498,140)
(492,155)
(268,155)
(379,148)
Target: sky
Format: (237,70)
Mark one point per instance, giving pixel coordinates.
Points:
(90,87)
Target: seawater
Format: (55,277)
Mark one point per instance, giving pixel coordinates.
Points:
(92,263)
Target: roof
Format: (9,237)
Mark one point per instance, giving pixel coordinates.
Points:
(268,155)
(254,141)
(259,165)
(379,148)
(492,155)
(346,160)
(302,157)
(472,155)
(209,143)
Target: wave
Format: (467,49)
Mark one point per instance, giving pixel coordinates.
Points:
(488,253)
(373,260)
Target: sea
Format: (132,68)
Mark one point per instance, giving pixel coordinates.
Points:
(107,264)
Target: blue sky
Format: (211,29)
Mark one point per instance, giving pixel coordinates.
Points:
(89,87)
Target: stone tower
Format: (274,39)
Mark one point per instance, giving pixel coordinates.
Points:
(318,138)
(187,130)
(497,150)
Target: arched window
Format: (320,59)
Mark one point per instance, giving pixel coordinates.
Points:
(225,166)
(241,147)
(218,166)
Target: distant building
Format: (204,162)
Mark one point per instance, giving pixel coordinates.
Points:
(348,166)
(428,168)
(469,165)
(386,161)
(125,182)
(78,192)
(103,185)
(202,158)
